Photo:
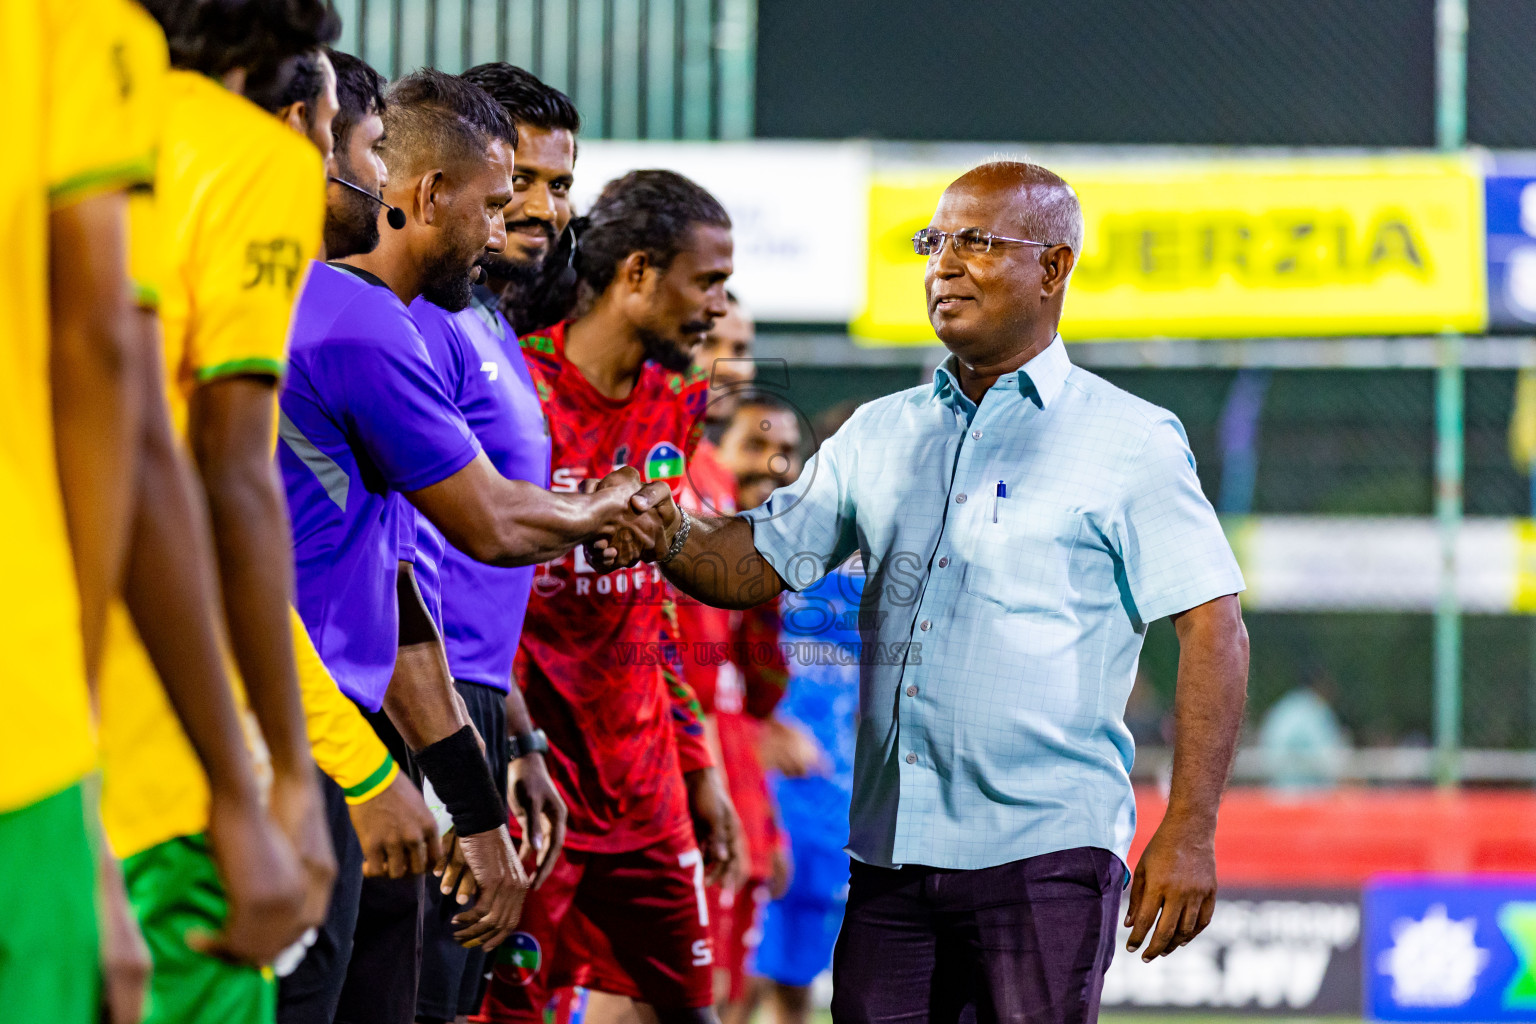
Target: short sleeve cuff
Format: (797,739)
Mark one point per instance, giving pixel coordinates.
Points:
(259,367)
(1192,595)
(776,548)
(374,784)
(441,469)
(95,181)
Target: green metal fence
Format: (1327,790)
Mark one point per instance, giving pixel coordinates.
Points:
(637,69)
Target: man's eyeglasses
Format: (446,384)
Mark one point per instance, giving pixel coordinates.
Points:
(965,242)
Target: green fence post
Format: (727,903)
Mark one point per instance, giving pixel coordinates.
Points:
(1450,136)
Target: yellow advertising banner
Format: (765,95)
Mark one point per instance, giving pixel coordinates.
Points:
(1233,248)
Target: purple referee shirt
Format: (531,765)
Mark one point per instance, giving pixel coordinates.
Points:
(477,356)
(363,417)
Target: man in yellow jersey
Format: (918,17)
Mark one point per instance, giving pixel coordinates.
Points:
(169,593)
(305,99)
(386,808)
(67,440)
(233,255)
(378,822)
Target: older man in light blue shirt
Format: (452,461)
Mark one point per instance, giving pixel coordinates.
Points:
(1021,521)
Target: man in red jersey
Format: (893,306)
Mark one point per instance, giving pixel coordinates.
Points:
(732,661)
(625,911)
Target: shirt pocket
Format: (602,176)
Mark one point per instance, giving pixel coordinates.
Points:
(1021,561)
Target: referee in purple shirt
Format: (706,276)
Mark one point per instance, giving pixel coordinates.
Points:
(481,607)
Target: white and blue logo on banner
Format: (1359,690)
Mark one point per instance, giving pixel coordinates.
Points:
(1442,950)
(1510,189)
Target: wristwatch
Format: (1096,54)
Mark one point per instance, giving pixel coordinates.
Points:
(526,743)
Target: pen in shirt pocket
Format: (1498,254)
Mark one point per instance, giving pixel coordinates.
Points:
(1001,492)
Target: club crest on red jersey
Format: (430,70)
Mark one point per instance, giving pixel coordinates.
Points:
(519,957)
(664,462)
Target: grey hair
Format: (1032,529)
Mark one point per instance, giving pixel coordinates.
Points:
(1055,214)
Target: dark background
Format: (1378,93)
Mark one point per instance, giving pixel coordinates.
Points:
(1237,72)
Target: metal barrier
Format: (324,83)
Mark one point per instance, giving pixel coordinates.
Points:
(637,69)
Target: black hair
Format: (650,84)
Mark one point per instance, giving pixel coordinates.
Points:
(218,36)
(644,211)
(433,116)
(526,100)
(297,80)
(359,92)
(552,297)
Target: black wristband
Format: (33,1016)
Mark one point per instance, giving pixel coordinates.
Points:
(458,772)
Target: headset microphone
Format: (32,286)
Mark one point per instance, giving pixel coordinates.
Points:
(395,216)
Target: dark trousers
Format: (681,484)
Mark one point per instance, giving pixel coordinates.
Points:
(452,977)
(1024,941)
(380,986)
(309,994)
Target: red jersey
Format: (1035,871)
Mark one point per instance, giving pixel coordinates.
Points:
(704,632)
(591,658)
(747,691)
(732,661)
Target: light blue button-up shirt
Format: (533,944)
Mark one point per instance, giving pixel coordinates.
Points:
(1001,633)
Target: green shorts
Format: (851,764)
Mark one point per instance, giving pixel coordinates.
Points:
(48,913)
(175,889)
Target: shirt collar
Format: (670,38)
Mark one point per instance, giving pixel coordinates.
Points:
(359,272)
(1044,375)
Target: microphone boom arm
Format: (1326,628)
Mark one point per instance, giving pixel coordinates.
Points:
(395,216)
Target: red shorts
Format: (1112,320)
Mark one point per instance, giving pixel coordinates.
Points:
(634,924)
(736,920)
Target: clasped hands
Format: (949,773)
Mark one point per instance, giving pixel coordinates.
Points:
(641,523)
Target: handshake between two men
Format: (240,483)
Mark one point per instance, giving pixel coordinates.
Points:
(642,523)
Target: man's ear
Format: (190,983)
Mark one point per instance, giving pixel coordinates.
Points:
(429,194)
(295,116)
(632,270)
(1058,261)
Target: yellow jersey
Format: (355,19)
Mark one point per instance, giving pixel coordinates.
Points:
(238,215)
(59,67)
(146,56)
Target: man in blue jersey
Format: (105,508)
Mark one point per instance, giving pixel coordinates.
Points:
(821,640)
(369,436)
(481,607)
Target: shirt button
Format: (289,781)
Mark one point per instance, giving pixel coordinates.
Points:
(911,759)
(944,561)
(976,435)
(959,499)
(911,691)
(925,624)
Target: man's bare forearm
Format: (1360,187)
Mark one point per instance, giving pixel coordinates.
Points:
(519,721)
(720,566)
(169,592)
(421,700)
(512,522)
(98,384)
(1208,708)
(231,435)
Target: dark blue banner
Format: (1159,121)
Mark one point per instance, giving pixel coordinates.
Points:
(1511,198)
(1450,950)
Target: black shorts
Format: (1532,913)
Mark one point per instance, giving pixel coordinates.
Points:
(452,977)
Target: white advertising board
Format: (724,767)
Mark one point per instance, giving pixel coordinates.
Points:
(1344,563)
(799,212)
